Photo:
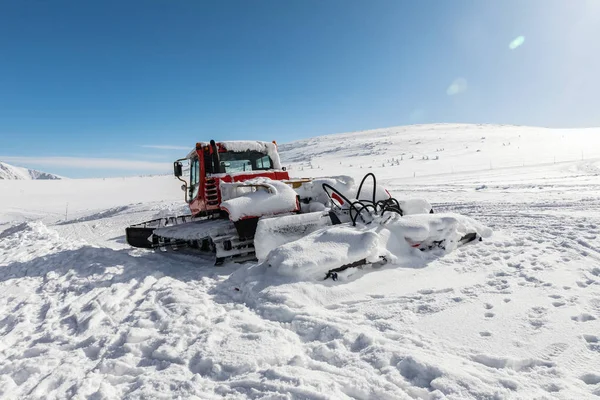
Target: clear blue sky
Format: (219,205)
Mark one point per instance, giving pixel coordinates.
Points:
(102,79)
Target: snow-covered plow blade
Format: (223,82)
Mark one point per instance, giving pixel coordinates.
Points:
(390,239)
(368,229)
(141,235)
(274,232)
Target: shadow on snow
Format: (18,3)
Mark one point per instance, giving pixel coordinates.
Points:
(89,261)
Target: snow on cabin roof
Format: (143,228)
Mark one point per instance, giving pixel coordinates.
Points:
(247,145)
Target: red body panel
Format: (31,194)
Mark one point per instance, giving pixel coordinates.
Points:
(209,192)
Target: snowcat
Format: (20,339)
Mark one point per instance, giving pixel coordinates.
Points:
(244,205)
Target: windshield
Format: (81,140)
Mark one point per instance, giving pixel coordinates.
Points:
(244,161)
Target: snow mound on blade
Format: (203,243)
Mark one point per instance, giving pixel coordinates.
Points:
(321,251)
(415,206)
(269,198)
(435,227)
(387,238)
(274,232)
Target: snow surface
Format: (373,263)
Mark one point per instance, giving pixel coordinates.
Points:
(82,315)
(8,171)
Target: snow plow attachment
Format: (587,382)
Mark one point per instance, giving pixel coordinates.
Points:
(137,236)
(368,231)
(274,232)
(141,235)
(406,241)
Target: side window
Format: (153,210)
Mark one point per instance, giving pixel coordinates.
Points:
(263,163)
(194,178)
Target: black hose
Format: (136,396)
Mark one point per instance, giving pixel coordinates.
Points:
(391,209)
(357,207)
(334,190)
(362,183)
(390,204)
(351,205)
(359,211)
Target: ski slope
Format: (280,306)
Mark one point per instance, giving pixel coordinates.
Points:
(8,171)
(516,316)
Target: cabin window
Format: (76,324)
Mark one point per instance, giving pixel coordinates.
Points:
(194,178)
(244,161)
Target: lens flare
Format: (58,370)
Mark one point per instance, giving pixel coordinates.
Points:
(518,42)
(458,86)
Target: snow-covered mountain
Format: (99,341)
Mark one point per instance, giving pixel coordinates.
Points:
(516,316)
(11,172)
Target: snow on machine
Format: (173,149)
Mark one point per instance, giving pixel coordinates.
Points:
(244,206)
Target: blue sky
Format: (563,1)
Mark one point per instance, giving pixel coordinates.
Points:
(86,81)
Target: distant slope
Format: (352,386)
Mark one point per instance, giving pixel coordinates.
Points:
(418,150)
(10,172)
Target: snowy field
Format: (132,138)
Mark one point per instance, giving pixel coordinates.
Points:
(516,316)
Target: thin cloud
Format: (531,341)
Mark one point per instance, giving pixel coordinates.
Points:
(90,163)
(165,147)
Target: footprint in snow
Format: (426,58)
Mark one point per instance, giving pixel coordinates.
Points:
(593,342)
(485,334)
(584,317)
(555,349)
(537,317)
(591,378)
(489,315)
(558,303)
(488,306)
(591,338)
(552,387)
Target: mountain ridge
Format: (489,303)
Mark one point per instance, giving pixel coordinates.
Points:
(11,172)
